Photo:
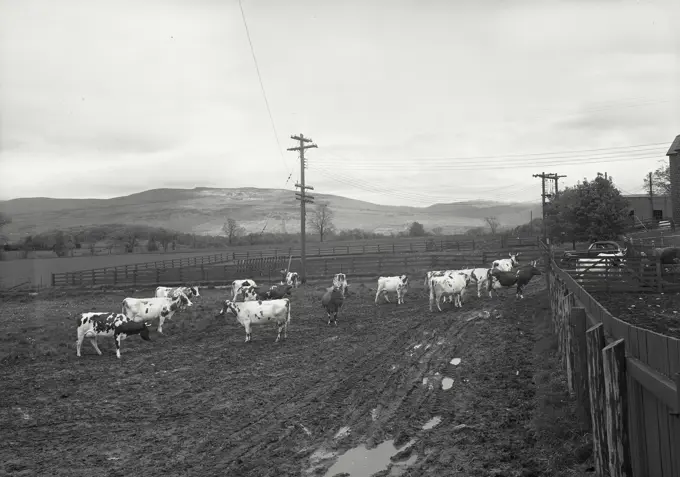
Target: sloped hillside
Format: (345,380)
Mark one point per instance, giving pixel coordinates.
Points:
(204,210)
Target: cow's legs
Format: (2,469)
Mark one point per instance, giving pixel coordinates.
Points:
(161,319)
(280,329)
(79,344)
(377,294)
(335,318)
(329,316)
(247,327)
(93,340)
(439,299)
(117,339)
(386,296)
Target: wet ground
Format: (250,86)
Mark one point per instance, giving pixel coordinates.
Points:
(656,312)
(395,390)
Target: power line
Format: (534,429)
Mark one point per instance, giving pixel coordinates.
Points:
(457,164)
(569,153)
(264,94)
(343,178)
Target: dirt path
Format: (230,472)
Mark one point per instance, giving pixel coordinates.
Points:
(199,401)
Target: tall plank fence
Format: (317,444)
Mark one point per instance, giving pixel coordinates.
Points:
(261,260)
(267,269)
(626,380)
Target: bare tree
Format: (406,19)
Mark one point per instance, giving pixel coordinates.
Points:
(493,224)
(232,229)
(321,220)
(437,231)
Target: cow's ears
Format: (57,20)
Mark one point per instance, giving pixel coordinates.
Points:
(509,254)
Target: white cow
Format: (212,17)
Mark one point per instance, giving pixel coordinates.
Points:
(480,276)
(190,292)
(506,264)
(237,284)
(293,279)
(116,325)
(340,281)
(398,284)
(452,285)
(146,309)
(250,313)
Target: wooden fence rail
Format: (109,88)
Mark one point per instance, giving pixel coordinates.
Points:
(99,276)
(358,266)
(626,382)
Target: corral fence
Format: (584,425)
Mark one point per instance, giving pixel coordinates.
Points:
(133,273)
(267,269)
(626,380)
(638,274)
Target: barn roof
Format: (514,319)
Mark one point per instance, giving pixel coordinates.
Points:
(675,147)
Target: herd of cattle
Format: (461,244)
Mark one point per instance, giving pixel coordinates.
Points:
(254,306)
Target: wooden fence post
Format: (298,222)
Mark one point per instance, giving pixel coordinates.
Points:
(595,343)
(580,364)
(616,393)
(134,276)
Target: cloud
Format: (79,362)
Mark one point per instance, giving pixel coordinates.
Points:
(167,93)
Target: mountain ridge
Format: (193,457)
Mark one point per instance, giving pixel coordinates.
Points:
(203,210)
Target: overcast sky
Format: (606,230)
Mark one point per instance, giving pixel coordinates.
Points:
(410,102)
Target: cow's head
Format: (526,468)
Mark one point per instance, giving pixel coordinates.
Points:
(513,258)
(144,333)
(194,290)
(229,306)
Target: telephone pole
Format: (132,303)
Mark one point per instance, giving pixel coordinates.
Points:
(651,196)
(544,177)
(304,199)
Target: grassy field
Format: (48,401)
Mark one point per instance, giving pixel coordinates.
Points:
(198,400)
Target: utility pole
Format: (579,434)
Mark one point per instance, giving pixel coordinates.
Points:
(651,196)
(304,199)
(556,178)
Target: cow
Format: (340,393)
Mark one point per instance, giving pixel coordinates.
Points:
(480,277)
(116,325)
(450,285)
(190,292)
(145,309)
(292,279)
(277,292)
(398,284)
(340,281)
(498,279)
(237,284)
(506,264)
(332,301)
(251,293)
(439,273)
(251,313)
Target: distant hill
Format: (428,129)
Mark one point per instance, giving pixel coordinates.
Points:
(203,210)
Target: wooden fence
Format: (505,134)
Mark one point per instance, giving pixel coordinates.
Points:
(267,269)
(637,274)
(626,380)
(104,275)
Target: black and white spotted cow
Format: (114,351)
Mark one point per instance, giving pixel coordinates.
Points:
(161,308)
(237,284)
(115,325)
(396,284)
(293,279)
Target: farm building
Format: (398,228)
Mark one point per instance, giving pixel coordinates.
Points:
(641,207)
(674,160)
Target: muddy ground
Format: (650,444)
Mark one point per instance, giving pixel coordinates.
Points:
(200,401)
(655,312)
